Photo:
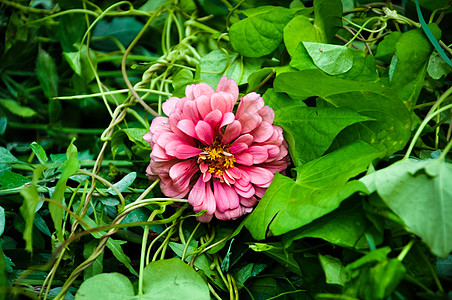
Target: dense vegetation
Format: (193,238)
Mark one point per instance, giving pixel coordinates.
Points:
(362,91)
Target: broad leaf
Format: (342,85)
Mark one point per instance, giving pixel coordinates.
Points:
(39,152)
(17,109)
(260,33)
(343,227)
(299,29)
(173,279)
(112,286)
(419,193)
(124,183)
(328,14)
(334,270)
(310,131)
(332,59)
(320,187)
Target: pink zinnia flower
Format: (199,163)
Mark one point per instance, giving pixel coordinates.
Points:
(223,161)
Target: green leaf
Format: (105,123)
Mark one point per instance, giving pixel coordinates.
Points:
(173,279)
(334,270)
(39,152)
(280,100)
(3,274)
(419,193)
(123,29)
(262,32)
(390,129)
(135,135)
(320,187)
(345,227)
(17,109)
(112,286)
(387,47)
(47,74)
(7,157)
(80,64)
(217,64)
(248,271)
(28,207)
(328,19)
(332,59)
(3,125)
(299,29)
(10,180)
(68,169)
(201,262)
(374,276)
(413,51)
(310,130)
(124,183)
(437,67)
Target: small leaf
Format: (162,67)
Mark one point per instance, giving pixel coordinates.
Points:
(334,270)
(173,279)
(112,286)
(17,109)
(332,59)
(260,33)
(80,64)
(124,183)
(3,125)
(97,266)
(39,152)
(47,74)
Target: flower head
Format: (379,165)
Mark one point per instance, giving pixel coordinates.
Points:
(223,161)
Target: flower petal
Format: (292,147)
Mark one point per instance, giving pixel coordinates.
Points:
(260,154)
(204,132)
(169,105)
(186,151)
(198,193)
(181,173)
(232,131)
(203,105)
(228,118)
(213,118)
(222,101)
(244,158)
(228,86)
(263,132)
(249,122)
(225,196)
(187,127)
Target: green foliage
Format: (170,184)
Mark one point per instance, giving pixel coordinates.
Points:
(361,93)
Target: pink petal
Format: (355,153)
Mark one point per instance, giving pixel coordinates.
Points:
(250,104)
(186,151)
(267,114)
(259,176)
(213,118)
(235,172)
(203,105)
(247,191)
(228,118)
(229,214)
(263,132)
(228,86)
(225,196)
(244,158)
(245,138)
(248,202)
(187,127)
(204,218)
(190,111)
(181,173)
(197,193)
(260,154)
(249,121)
(204,132)
(222,101)
(148,137)
(232,131)
(203,167)
(202,89)
(169,105)
(260,191)
(237,148)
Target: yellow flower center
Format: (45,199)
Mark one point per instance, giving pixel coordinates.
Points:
(217,158)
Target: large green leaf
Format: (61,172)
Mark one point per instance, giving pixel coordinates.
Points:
(345,227)
(173,279)
(112,286)
(320,187)
(260,33)
(299,29)
(311,130)
(419,193)
(217,64)
(390,128)
(328,18)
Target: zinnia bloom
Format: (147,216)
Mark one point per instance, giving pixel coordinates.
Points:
(223,161)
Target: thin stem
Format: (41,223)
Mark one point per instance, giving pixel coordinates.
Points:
(405,250)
